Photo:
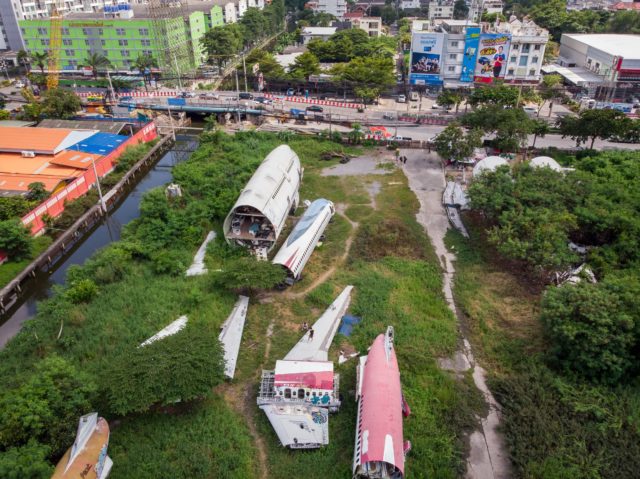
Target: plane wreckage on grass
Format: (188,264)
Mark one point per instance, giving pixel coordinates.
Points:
(305,236)
(299,394)
(258,216)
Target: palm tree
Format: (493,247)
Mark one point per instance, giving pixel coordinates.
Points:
(97,61)
(40,59)
(23,59)
(144,63)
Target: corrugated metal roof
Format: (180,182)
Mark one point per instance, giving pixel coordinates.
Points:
(12,185)
(114,127)
(42,140)
(16,123)
(74,159)
(99,143)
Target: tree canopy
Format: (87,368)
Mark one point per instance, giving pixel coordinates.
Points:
(452,144)
(15,239)
(181,367)
(592,124)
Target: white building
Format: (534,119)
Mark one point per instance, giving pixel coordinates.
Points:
(440,9)
(607,64)
(528,43)
(337,8)
(371,25)
(230,15)
(316,33)
(242,8)
(409,4)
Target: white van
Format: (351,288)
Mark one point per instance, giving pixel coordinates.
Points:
(413,96)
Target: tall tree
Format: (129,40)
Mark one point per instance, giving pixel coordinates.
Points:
(59,103)
(592,124)
(452,143)
(144,63)
(539,128)
(221,44)
(15,239)
(460,10)
(97,62)
(40,59)
(511,126)
(23,59)
(304,65)
(369,76)
(255,25)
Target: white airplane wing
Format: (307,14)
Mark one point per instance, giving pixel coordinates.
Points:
(299,426)
(197,267)
(324,329)
(173,328)
(231,335)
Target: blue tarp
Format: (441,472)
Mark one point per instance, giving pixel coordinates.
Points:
(100,143)
(348,322)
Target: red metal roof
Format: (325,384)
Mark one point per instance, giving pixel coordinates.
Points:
(626,6)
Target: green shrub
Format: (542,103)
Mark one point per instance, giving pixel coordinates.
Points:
(81,291)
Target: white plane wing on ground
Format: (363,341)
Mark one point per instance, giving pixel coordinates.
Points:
(324,329)
(231,335)
(173,328)
(197,267)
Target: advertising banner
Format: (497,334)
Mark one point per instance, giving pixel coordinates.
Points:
(471,42)
(426,58)
(493,53)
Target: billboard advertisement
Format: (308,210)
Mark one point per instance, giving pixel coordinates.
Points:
(426,58)
(493,52)
(471,42)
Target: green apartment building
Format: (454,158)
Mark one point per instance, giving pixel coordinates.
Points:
(172,41)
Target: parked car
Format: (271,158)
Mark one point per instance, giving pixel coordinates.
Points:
(316,108)
(263,100)
(400,138)
(291,92)
(245,95)
(187,94)
(530,110)
(402,99)
(388,115)
(19,84)
(209,96)
(413,96)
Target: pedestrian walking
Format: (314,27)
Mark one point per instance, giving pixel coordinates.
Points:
(305,326)
(405,160)
(311,335)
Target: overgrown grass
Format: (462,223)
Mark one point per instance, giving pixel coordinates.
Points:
(211,438)
(10,269)
(554,428)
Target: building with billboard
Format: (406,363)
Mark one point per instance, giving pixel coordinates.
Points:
(426,58)
(469,53)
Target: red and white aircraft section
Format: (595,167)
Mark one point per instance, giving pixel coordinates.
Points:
(298,247)
(379,449)
(299,394)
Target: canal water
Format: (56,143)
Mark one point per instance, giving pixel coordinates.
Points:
(104,234)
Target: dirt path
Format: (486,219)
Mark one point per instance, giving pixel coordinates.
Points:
(488,458)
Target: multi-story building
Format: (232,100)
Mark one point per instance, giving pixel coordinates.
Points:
(410,4)
(199,23)
(10,36)
(459,52)
(528,43)
(230,13)
(119,39)
(242,8)
(440,9)
(337,8)
(371,25)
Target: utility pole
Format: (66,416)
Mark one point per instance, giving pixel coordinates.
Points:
(113,93)
(177,71)
(244,68)
(237,96)
(103,205)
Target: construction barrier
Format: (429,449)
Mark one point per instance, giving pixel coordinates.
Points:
(134,94)
(54,205)
(313,101)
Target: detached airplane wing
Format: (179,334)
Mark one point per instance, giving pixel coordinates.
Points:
(231,335)
(299,426)
(324,329)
